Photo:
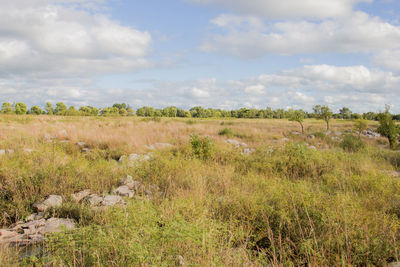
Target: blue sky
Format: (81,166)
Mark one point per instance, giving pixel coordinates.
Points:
(215,53)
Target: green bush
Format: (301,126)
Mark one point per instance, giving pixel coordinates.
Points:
(202,147)
(227,132)
(352,143)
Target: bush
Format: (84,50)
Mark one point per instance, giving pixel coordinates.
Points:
(202,147)
(352,143)
(227,132)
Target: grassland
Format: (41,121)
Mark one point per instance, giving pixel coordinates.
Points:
(286,204)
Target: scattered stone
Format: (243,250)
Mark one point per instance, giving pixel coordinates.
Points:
(28,150)
(133,158)
(336,138)
(313,147)
(236,143)
(338,133)
(394,264)
(296,133)
(248,151)
(285,139)
(33,232)
(124,191)
(371,134)
(112,200)
(311,136)
(85,150)
(159,146)
(6,151)
(51,201)
(328,132)
(94,200)
(81,144)
(80,195)
(35,216)
(63,134)
(181,261)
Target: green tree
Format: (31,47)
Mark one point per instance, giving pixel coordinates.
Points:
(35,110)
(345,113)
(388,128)
(49,108)
(7,108)
(297,116)
(123,112)
(360,125)
(61,108)
(20,109)
(323,113)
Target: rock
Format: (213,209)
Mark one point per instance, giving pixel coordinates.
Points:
(132,184)
(112,200)
(81,144)
(181,261)
(285,139)
(159,146)
(94,200)
(28,150)
(296,133)
(53,201)
(63,134)
(248,151)
(5,234)
(328,132)
(47,138)
(124,191)
(56,225)
(311,136)
(335,138)
(338,133)
(65,142)
(40,207)
(133,158)
(313,147)
(85,150)
(371,134)
(6,151)
(236,143)
(80,195)
(394,264)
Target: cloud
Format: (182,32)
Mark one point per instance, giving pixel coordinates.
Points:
(390,59)
(248,37)
(278,9)
(358,87)
(63,38)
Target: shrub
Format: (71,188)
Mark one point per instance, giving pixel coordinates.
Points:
(202,147)
(352,143)
(388,128)
(227,132)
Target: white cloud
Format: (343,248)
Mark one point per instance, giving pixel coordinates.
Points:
(44,38)
(199,93)
(389,59)
(258,89)
(244,38)
(287,8)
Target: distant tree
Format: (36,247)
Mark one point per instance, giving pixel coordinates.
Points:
(131,111)
(35,110)
(20,109)
(372,116)
(388,128)
(297,116)
(61,108)
(110,111)
(49,108)
(123,112)
(345,113)
(71,111)
(7,108)
(323,113)
(360,125)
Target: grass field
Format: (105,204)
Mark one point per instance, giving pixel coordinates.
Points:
(294,201)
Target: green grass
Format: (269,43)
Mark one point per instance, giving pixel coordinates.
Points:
(292,206)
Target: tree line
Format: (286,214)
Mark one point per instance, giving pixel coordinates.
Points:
(195,112)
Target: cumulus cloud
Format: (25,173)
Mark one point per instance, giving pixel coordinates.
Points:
(360,88)
(277,9)
(61,38)
(249,37)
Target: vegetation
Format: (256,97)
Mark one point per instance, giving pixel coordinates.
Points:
(360,125)
(285,204)
(297,116)
(388,128)
(323,113)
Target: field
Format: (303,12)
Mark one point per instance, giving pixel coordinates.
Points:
(293,201)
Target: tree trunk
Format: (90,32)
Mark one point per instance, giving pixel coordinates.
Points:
(302,128)
(327,125)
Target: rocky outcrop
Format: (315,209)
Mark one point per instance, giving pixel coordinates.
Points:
(34,231)
(159,146)
(370,134)
(135,158)
(51,201)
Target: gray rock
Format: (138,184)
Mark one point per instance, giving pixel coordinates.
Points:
(112,200)
(80,195)
(53,201)
(181,261)
(394,264)
(6,151)
(285,139)
(312,147)
(328,132)
(63,134)
(311,136)
(28,150)
(81,144)
(248,151)
(94,200)
(132,184)
(56,225)
(124,191)
(85,150)
(236,143)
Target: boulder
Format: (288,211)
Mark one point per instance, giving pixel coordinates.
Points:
(81,144)
(124,191)
(94,200)
(248,151)
(112,200)
(311,136)
(56,225)
(51,201)
(80,195)
(63,134)
(236,143)
(6,151)
(132,184)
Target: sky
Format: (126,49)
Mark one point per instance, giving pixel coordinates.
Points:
(226,54)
